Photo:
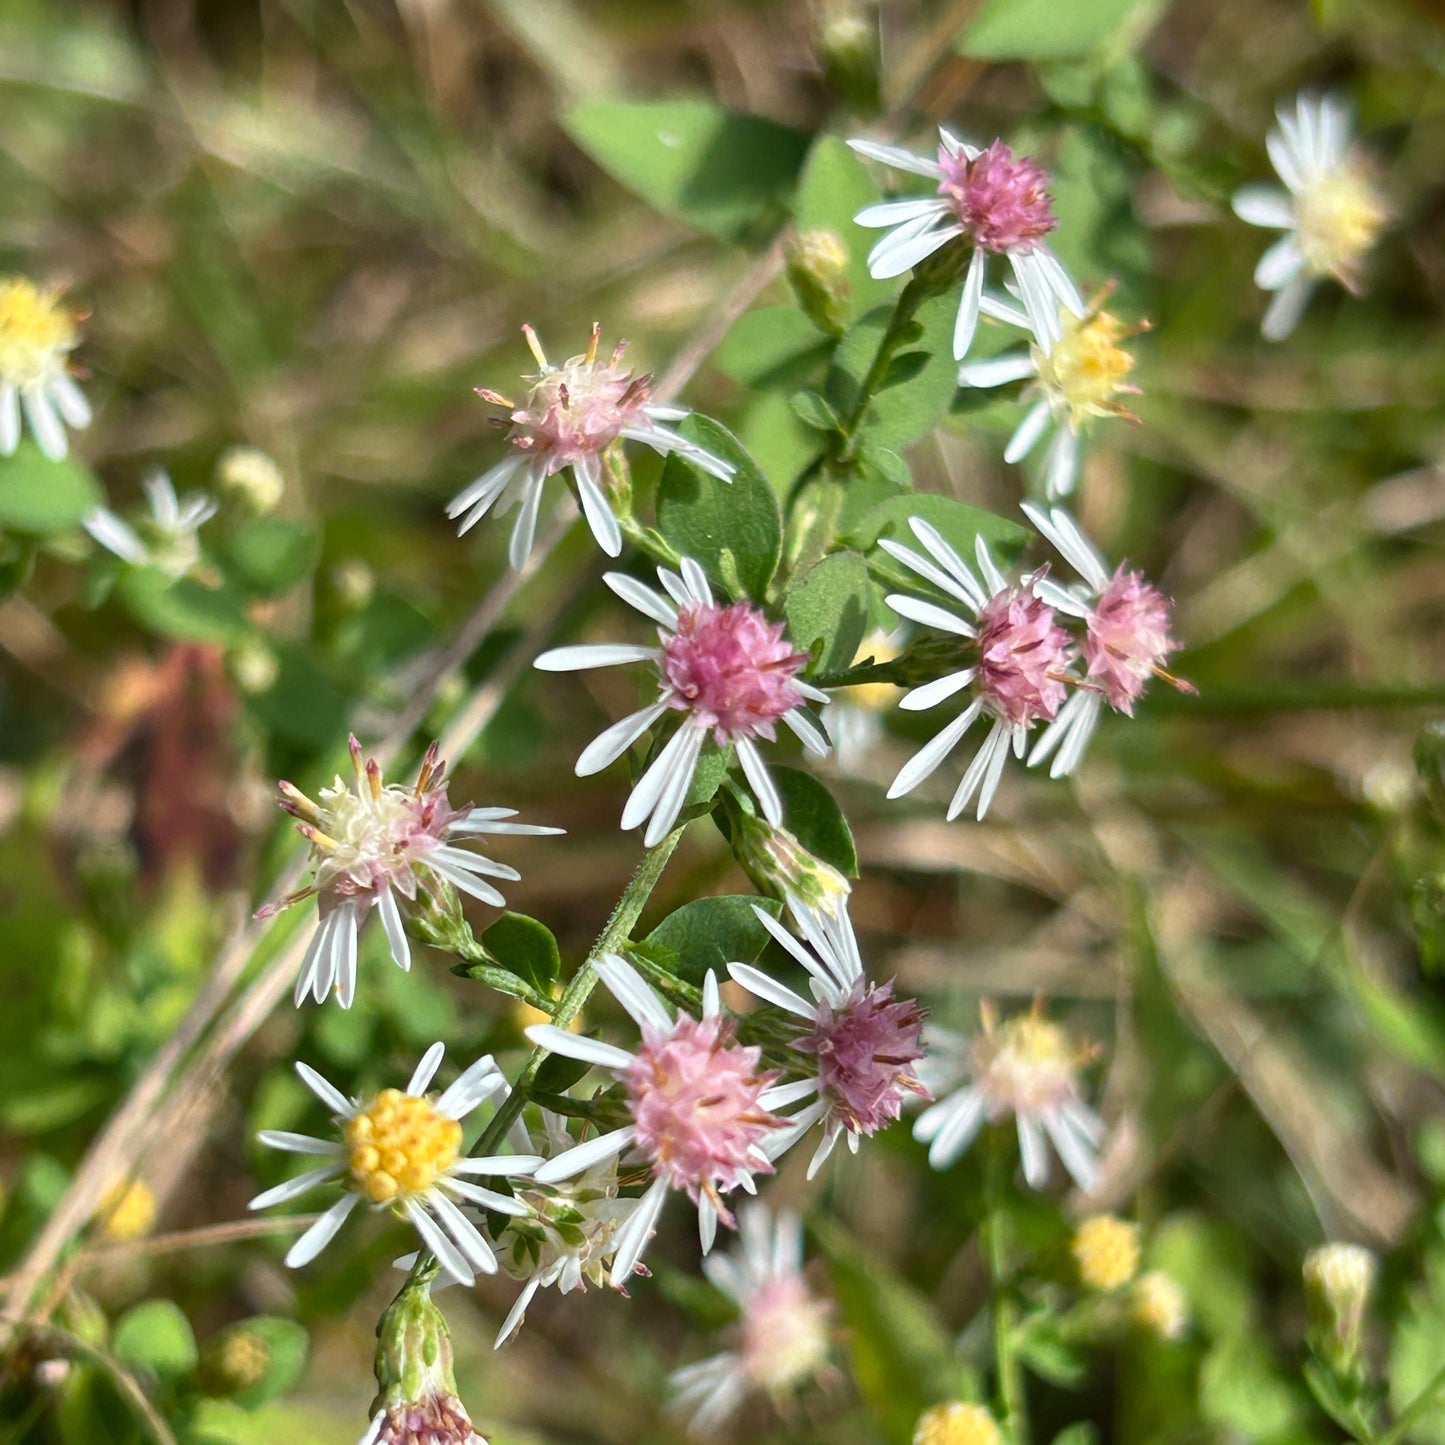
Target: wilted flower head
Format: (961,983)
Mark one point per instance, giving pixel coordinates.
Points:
(571,415)
(729,672)
(781,1339)
(1106,1251)
(375,843)
(1026,1067)
(166,539)
(401,1150)
(37,336)
(1330,209)
(417,1402)
(695,1099)
(997,201)
(1018,675)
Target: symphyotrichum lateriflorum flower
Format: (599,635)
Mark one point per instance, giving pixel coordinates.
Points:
(958,1423)
(694,1098)
(863,1041)
(998,201)
(416,1401)
(166,538)
(572,414)
(1018,678)
(1127,639)
(569,1234)
(37,335)
(1075,374)
(1106,1251)
(781,1339)
(401,1150)
(1331,209)
(729,672)
(1159,1305)
(375,843)
(1025,1067)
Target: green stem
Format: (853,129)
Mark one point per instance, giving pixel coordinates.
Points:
(910,299)
(1412,1412)
(1012,1407)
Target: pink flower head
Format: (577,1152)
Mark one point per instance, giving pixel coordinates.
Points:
(731,669)
(1002,202)
(1128,638)
(865,1050)
(1022,654)
(434,1420)
(695,1106)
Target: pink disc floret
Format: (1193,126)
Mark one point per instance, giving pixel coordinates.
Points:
(579,409)
(1022,654)
(1001,200)
(1128,638)
(865,1051)
(732,670)
(437,1420)
(695,1108)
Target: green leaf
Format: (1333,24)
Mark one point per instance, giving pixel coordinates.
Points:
(1044,1347)
(812,815)
(155,1336)
(772,347)
(270,555)
(721,171)
(712,768)
(42,497)
(525,947)
(709,933)
(558,1073)
(813,411)
(733,529)
(959,525)
(904,412)
(182,608)
(1047,30)
(827,610)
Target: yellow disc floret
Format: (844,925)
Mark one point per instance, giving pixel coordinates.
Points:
(400,1145)
(36,334)
(1338,216)
(956,1424)
(1106,1250)
(128,1210)
(1086,368)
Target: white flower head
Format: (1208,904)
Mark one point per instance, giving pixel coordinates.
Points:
(1075,374)
(166,538)
(695,1103)
(572,414)
(1127,639)
(997,201)
(729,672)
(401,1150)
(37,336)
(1020,674)
(1025,1067)
(863,1040)
(1330,208)
(782,1336)
(374,844)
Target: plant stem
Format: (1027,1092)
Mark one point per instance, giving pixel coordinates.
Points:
(1412,1412)
(1012,1406)
(909,300)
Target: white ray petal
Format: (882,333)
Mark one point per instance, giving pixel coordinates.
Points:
(645,599)
(321,1233)
(294,1188)
(440,1243)
(426,1070)
(579,1046)
(341,1107)
(1264,206)
(1029,430)
(633,992)
(930,694)
(965,324)
(581,1157)
(927,759)
(395,929)
(898,158)
(632,1238)
(770,991)
(587,472)
(593,654)
(609,745)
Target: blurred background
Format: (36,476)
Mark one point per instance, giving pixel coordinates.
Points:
(310,229)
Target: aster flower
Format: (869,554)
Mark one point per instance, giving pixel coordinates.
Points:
(1126,640)
(1074,376)
(572,414)
(999,202)
(864,1040)
(1019,675)
(569,1234)
(781,1338)
(1330,209)
(166,539)
(401,1150)
(374,844)
(1026,1067)
(37,336)
(729,671)
(695,1102)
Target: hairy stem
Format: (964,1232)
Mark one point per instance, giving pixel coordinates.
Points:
(1012,1408)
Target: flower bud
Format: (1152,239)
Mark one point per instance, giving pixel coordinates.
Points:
(956,1424)
(417,1402)
(818,271)
(782,868)
(1339,1279)
(254,667)
(236,1360)
(1106,1251)
(1157,1304)
(846,42)
(353,582)
(252,478)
